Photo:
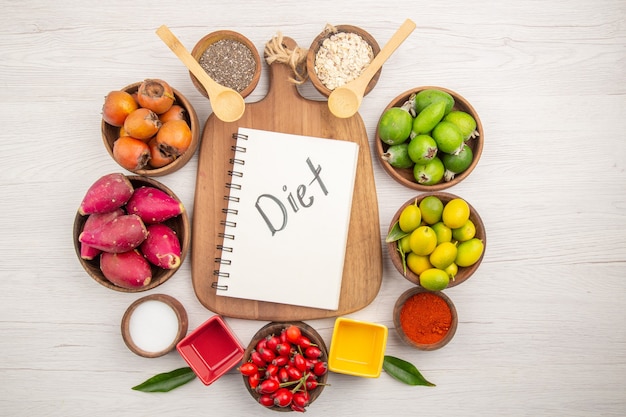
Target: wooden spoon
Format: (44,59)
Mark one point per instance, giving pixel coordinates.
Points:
(345,101)
(228,105)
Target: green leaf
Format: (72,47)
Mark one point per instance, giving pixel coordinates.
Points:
(167,381)
(403,257)
(395,233)
(404,371)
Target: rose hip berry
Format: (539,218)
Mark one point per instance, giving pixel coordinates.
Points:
(293,333)
(304,342)
(320,368)
(301,398)
(310,384)
(313,352)
(283,375)
(267,386)
(294,374)
(262,344)
(283,397)
(283,348)
(267,355)
(254,380)
(281,361)
(299,362)
(266,400)
(248,369)
(256,358)
(271,370)
(272,342)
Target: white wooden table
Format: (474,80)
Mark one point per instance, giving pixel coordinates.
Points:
(542,323)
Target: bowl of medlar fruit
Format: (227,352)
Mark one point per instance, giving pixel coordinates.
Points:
(149,128)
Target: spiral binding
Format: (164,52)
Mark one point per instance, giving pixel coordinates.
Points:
(229,210)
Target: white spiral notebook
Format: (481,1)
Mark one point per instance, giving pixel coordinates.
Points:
(286,219)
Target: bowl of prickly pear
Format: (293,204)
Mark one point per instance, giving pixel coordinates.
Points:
(436,240)
(131,233)
(149,128)
(429,138)
(285,366)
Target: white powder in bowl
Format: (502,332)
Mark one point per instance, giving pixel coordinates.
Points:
(153,326)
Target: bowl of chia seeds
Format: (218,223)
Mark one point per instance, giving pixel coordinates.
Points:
(338,55)
(230,59)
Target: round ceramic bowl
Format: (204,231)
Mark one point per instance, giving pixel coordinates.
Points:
(179,224)
(153,325)
(405,175)
(275,329)
(463,273)
(235,77)
(111,133)
(440,324)
(317,43)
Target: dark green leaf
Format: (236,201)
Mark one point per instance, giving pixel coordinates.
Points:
(167,381)
(404,371)
(395,233)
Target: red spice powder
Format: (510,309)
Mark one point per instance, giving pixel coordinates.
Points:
(425,318)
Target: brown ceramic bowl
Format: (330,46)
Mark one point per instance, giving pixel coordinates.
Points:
(217,36)
(449,334)
(275,328)
(319,40)
(464,272)
(154,318)
(405,175)
(180,224)
(110,134)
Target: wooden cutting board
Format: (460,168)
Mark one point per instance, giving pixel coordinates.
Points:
(284,110)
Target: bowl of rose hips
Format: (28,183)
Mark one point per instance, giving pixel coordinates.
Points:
(285,366)
(149,128)
(131,233)
(429,138)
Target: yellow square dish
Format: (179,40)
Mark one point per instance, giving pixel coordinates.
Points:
(357,348)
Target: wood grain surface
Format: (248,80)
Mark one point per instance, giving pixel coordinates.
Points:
(284,110)
(540,329)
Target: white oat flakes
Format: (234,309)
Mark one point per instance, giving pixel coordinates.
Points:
(341,58)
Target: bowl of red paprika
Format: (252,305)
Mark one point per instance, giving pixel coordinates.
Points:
(426,320)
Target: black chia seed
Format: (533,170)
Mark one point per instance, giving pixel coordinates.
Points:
(229,63)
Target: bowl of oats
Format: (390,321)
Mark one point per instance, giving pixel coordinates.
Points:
(338,55)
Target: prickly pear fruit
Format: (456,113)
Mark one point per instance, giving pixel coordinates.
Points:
(161,247)
(121,234)
(106,194)
(127,269)
(153,205)
(93,222)
(88,252)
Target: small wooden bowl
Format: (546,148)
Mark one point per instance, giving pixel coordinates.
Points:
(405,175)
(219,35)
(180,224)
(424,346)
(275,328)
(110,134)
(181,318)
(464,272)
(317,43)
